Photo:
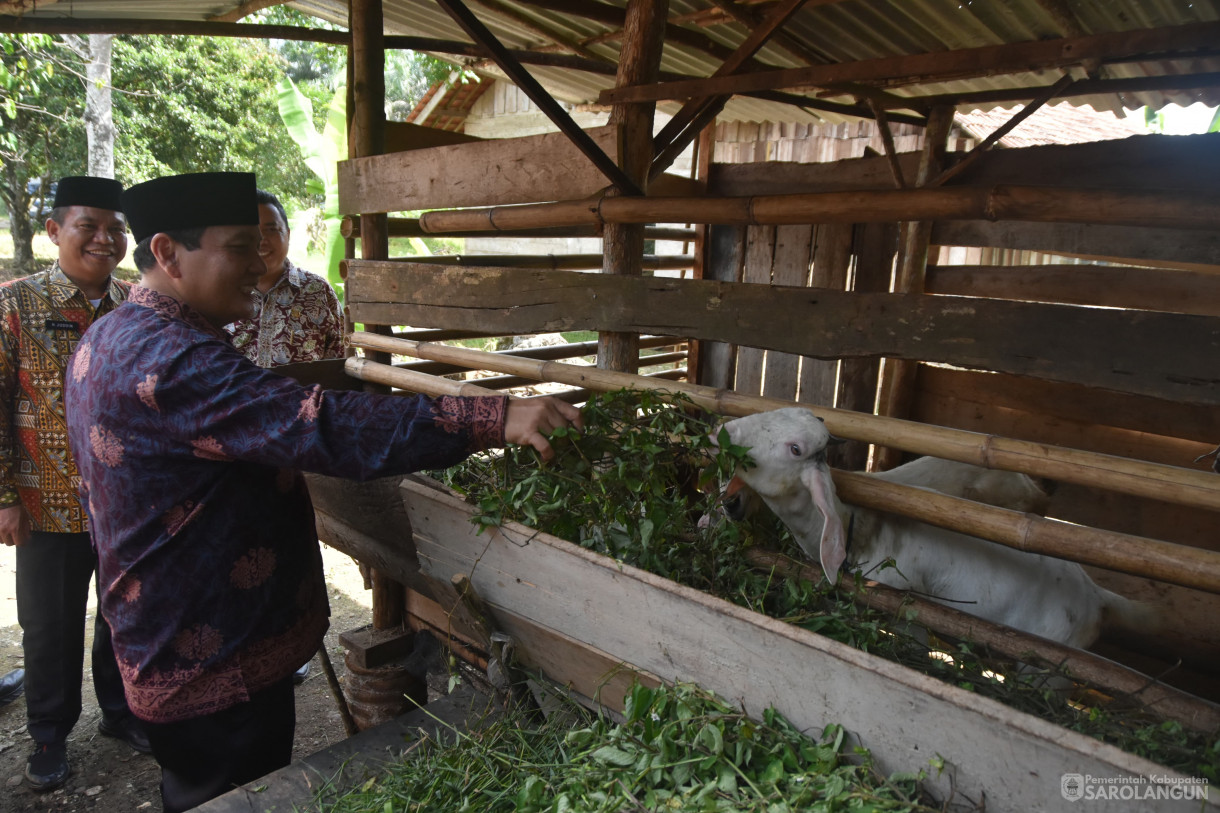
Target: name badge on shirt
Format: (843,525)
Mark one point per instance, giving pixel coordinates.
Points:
(62,324)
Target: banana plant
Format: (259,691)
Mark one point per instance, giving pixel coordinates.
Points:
(322,151)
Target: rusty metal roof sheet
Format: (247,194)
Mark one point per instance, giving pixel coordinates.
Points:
(842,31)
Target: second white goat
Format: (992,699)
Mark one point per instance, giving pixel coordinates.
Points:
(1041,595)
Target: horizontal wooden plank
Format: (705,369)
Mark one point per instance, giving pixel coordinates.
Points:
(1175,291)
(984,392)
(367,522)
(1158,354)
(1176,162)
(680,634)
(516,170)
(401,136)
(1131,243)
(1164,161)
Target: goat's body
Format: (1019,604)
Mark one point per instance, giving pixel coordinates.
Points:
(1041,595)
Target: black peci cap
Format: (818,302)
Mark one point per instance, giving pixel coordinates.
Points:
(193,201)
(84,190)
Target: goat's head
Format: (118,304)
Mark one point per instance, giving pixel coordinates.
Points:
(788,447)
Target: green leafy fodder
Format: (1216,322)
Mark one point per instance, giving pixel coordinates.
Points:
(632,485)
(678,748)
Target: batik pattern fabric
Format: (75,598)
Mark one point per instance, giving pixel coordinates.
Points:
(190,457)
(42,318)
(298,319)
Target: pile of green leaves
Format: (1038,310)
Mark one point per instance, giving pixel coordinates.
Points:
(678,748)
(634,484)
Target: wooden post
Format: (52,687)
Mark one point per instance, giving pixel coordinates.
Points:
(897,386)
(367,57)
(703,165)
(623,244)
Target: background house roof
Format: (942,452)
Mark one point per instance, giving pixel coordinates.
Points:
(1050,124)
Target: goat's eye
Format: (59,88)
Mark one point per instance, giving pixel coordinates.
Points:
(795,448)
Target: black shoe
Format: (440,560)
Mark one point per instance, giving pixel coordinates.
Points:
(298,677)
(11,686)
(47,768)
(129,730)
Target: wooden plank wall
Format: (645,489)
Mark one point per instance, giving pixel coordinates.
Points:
(1144,272)
(799,256)
(784,310)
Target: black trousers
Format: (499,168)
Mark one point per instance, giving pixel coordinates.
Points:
(53,575)
(204,757)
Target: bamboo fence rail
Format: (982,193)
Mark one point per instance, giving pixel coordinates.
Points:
(1149,558)
(1199,489)
(409,227)
(1179,209)
(1102,673)
(554,262)
(555,352)
(1124,553)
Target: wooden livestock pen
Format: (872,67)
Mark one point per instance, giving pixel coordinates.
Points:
(813,284)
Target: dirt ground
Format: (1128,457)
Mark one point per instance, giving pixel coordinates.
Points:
(107,776)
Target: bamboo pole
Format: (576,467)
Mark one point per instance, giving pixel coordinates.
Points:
(556,351)
(1153,207)
(1171,484)
(1103,673)
(1124,553)
(441,368)
(1139,556)
(572,396)
(553,262)
(409,227)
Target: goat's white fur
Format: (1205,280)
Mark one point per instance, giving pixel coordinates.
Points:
(1038,594)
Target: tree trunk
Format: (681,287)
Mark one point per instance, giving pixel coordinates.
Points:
(20,227)
(99,115)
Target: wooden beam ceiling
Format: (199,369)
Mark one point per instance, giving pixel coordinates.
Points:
(245,9)
(943,66)
(194,28)
(696,114)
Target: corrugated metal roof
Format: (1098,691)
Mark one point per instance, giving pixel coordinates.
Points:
(830,32)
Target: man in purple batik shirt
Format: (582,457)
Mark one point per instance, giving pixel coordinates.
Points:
(190,459)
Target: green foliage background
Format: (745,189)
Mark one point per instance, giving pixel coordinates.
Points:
(190,104)
(181,104)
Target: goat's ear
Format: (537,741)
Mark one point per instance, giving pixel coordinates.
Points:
(834,441)
(832,548)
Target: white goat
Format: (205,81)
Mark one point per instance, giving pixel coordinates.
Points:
(1044,596)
